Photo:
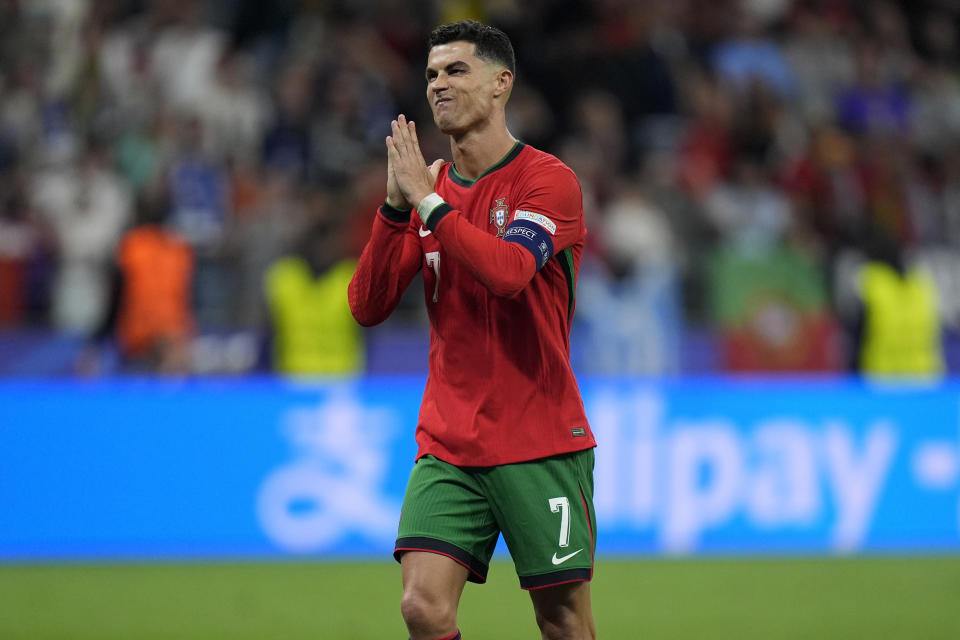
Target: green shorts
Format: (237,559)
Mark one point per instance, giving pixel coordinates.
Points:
(544,508)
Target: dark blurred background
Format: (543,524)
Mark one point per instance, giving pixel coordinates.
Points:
(185,185)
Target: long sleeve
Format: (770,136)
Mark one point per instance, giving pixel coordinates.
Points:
(387,265)
(504,268)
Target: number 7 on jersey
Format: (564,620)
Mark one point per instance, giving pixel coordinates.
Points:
(433,260)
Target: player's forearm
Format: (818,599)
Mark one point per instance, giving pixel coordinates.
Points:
(385,269)
(502,267)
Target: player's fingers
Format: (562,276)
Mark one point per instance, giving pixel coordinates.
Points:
(412,128)
(397,136)
(435,169)
(392,153)
(403,129)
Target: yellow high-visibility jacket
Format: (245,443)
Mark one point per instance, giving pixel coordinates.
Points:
(901,332)
(314,331)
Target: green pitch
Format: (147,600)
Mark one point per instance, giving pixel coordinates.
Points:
(738,598)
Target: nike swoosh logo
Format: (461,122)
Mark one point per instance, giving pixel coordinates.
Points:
(424,232)
(556,560)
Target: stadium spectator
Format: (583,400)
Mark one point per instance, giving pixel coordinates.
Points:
(234,109)
(155,322)
(897,333)
(873,103)
(198,192)
(824,184)
(705,150)
(818,49)
(286,143)
(184,55)
(128,83)
(86,207)
(197,187)
(20,114)
(20,246)
(267,227)
(150,318)
(628,297)
(314,333)
(748,212)
(751,57)
(950,196)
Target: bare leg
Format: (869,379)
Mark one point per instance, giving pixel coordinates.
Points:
(564,612)
(432,586)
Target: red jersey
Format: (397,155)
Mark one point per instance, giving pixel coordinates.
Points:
(499,263)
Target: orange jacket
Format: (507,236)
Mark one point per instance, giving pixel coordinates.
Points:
(155,304)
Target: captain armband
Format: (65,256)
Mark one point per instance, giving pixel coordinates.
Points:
(533,237)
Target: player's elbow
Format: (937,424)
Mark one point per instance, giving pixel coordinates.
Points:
(363,307)
(365,321)
(365,317)
(365,314)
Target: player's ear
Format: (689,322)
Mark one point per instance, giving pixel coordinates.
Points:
(504,83)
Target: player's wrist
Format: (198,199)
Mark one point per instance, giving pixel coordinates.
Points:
(397,207)
(432,209)
(428,204)
(394,214)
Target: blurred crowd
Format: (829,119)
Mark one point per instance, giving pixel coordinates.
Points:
(174,169)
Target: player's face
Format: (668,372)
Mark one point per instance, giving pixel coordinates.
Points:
(460,87)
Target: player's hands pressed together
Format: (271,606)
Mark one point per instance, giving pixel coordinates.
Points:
(409,179)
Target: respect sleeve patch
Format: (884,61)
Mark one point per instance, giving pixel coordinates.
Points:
(533,238)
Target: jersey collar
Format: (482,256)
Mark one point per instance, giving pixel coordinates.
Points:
(466,182)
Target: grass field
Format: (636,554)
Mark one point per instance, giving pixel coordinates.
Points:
(849,598)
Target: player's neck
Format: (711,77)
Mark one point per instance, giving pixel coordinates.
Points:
(476,151)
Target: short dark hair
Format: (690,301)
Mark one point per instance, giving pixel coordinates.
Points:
(492,44)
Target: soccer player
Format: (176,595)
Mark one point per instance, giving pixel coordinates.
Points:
(504,444)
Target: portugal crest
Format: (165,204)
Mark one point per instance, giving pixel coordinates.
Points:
(498,216)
